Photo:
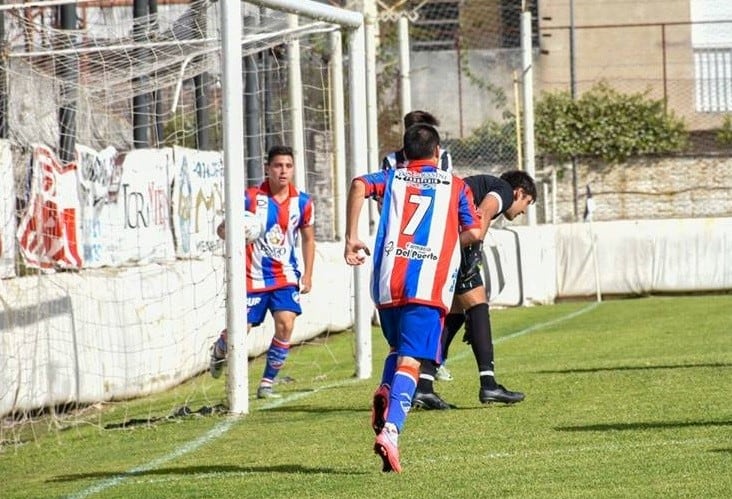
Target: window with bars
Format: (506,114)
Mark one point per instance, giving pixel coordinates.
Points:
(713,79)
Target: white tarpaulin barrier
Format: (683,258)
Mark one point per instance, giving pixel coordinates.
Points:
(644,256)
(125,332)
(519,265)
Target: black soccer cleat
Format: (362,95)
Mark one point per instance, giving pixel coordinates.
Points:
(430,402)
(499,394)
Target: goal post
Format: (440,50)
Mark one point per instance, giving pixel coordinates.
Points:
(352,22)
(234,185)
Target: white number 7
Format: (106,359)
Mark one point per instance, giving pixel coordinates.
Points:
(423,203)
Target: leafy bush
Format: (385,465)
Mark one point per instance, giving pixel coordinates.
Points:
(724,134)
(607,124)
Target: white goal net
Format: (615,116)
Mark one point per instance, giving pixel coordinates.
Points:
(111,274)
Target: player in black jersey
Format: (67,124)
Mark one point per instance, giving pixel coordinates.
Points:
(508,195)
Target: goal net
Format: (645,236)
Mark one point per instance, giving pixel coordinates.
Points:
(112,276)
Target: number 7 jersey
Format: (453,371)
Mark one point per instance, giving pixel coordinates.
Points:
(417,247)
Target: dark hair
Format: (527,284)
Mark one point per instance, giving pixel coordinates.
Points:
(414,117)
(420,141)
(279,151)
(520,180)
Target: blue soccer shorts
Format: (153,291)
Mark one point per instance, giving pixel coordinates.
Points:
(287,298)
(413,330)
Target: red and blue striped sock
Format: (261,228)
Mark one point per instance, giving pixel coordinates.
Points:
(276,357)
(402,391)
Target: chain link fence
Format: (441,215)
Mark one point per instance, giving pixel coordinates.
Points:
(465,60)
(466,69)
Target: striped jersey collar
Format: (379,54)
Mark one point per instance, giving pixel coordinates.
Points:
(264,188)
(421,164)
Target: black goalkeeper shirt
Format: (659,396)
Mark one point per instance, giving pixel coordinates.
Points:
(484,185)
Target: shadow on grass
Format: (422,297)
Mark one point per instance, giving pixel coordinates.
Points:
(722,451)
(632,368)
(205,470)
(316,409)
(180,412)
(642,426)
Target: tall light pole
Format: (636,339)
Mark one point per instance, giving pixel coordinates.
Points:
(573,93)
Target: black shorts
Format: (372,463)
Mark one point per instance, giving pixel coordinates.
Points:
(470,275)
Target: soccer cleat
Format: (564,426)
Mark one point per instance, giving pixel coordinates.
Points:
(379,408)
(499,394)
(443,374)
(266,392)
(430,401)
(216,364)
(388,451)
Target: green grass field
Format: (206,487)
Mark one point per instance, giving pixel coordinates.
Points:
(627,398)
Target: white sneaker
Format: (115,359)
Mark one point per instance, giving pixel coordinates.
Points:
(443,374)
(266,392)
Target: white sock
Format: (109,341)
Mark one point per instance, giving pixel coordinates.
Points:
(391,432)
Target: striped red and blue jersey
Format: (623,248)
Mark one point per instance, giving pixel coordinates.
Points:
(272,261)
(417,247)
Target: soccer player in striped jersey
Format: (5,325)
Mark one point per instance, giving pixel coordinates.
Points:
(427,215)
(396,159)
(273,276)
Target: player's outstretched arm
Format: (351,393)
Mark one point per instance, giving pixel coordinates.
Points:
(355,250)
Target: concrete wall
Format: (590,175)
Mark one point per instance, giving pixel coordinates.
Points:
(641,188)
(650,188)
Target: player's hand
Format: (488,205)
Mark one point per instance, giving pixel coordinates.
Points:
(306,284)
(356,252)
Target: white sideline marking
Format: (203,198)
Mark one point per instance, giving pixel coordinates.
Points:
(535,327)
(223,427)
(552,322)
(210,435)
(217,431)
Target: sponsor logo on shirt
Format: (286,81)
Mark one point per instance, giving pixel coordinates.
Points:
(423,180)
(416,252)
(275,243)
